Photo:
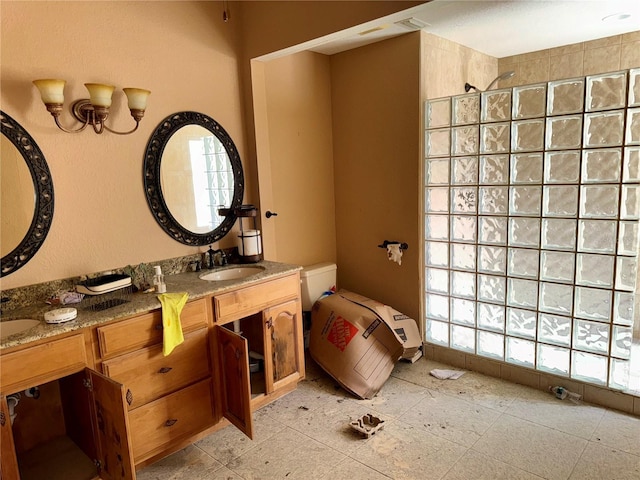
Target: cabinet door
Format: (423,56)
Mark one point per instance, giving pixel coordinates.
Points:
(233,362)
(111,428)
(284,347)
(8,460)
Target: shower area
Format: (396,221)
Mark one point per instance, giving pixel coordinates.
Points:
(531,226)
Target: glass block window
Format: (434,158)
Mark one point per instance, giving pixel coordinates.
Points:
(532,209)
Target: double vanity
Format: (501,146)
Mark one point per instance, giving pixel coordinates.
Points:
(99,400)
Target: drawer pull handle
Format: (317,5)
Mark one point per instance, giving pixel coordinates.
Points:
(158,326)
(129,397)
(165,370)
(171,422)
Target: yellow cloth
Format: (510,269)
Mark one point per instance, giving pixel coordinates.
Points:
(172,304)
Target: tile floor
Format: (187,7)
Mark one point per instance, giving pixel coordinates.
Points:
(476,427)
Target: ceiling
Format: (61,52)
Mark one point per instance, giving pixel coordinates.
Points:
(496,28)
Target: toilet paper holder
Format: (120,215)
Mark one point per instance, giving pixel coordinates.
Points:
(386,243)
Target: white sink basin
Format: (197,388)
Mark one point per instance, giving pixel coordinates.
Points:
(11,327)
(231,273)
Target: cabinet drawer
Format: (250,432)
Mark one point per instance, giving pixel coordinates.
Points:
(245,301)
(170,419)
(42,363)
(146,330)
(147,374)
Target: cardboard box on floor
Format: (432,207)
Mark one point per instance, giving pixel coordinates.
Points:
(357,341)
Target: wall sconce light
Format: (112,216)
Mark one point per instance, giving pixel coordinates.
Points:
(95,110)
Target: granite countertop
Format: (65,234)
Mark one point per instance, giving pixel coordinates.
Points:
(188,282)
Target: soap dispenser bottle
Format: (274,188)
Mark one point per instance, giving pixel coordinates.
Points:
(158,280)
(211,258)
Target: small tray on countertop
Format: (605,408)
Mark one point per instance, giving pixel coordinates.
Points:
(104,284)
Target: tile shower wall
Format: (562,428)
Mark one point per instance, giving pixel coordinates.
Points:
(532,224)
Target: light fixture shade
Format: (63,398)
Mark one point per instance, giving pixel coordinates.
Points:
(137,98)
(99,94)
(51,90)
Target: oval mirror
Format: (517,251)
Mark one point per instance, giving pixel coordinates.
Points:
(26,196)
(193,178)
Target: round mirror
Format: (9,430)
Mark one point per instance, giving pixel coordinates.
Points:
(193,178)
(26,196)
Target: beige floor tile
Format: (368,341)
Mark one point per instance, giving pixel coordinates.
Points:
(190,463)
(599,461)
(620,431)
(351,469)
(476,466)
(402,451)
(395,397)
(539,450)
(545,409)
(452,418)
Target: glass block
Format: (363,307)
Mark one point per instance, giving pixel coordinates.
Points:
(631,165)
(525,200)
(491,317)
(523,263)
(496,105)
(606,92)
(626,271)
(437,332)
(463,284)
(599,201)
(463,257)
(494,138)
(526,168)
(630,202)
(437,254)
(553,359)
(463,228)
(437,113)
(466,109)
(556,298)
(493,230)
(557,266)
(437,200)
(494,169)
(632,135)
(464,140)
(565,96)
(594,270)
(436,227)
(437,280)
(623,308)
(628,238)
(601,165)
(464,200)
(463,338)
(522,293)
(634,87)
(437,171)
(622,338)
(562,167)
(437,143)
(598,236)
(491,288)
(492,259)
(437,306)
(529,101)
(524,232)
(464,170)
(591,336)
(554,329)
(494,200)
(521,323)
(463,311)
(490,345)
(558,234)
(603,129)
(593,304)
(527,136)
(619,373)
(564,133)
(560,201)
(589,367)
(521,352)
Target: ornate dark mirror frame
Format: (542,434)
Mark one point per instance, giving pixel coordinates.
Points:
(43,187)
(153,189)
